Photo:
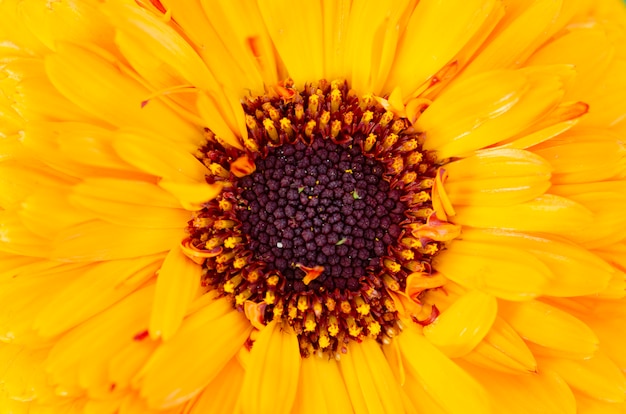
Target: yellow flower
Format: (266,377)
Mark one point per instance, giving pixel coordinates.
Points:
(138,270)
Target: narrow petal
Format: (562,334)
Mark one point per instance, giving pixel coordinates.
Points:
(497,177)
(570,265)
(541,392)
(464,324)
(502,271)
(503,350)
(490,107)
(421,57)
(97,86)
(95,289)
(97,240)
(550,327)
(597,377)
(271,379)
(448,385)
(183,366)
(222,394)
(369,381)
(177,285)
(167,160)
(321,389)
(547,213)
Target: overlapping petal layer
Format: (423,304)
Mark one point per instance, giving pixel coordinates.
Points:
(103,104)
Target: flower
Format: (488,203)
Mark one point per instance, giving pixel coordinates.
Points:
(137,266)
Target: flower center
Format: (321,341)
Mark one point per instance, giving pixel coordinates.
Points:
(324,206)
(326,219)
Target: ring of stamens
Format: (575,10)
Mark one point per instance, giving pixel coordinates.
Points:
(325,303)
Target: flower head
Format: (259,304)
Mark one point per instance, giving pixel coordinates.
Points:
(303,207)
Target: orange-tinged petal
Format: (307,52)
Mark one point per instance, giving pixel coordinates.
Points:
(178,282)
(448,385)
(541,392)
(550,327)
(321,388)
(222,394)
(369,381)
(97,240)
(98,86)
(184,365)
(505,272)
(495,177)
(547,213)
(273,370)
(458,329)
(597,377)
(503,350)
(420,58)
(570,265)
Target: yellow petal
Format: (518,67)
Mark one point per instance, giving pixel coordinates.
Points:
(177,285)
(97,240)
(448,385)
(192,196)
(541,392)
(570,265)
(161,158)
(183,366)
(609,220)
(420,57)
(369,381)
(489,107)
(222,394)
(503,350)
(321,388)
(98,87)
(547,213)
(463,325)
(496,177)
(598,377)
(298,41)
(273,371)
(95,289)
(550,327)
(502,271)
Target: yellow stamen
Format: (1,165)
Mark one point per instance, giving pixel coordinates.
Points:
(353,329)
(414,158)
(389,141)
(218,170)
(386,118)
(362,307)
(310,126)
(391,265)
(409,177)
(285,126)
(369,142)
(333,326)
(299,112)
(314,102)
(232,242)
(242,297)
(408,146)
(348,118)
(224,224)
(335,100)
(391,283)
(225,205)
(367,117)
(309,322)
(240,262)
(231,285)
(271,130)
(345,306)
(270,297)
(324,119)
(330,304)
(273,280)
(303,303)
(335,128)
